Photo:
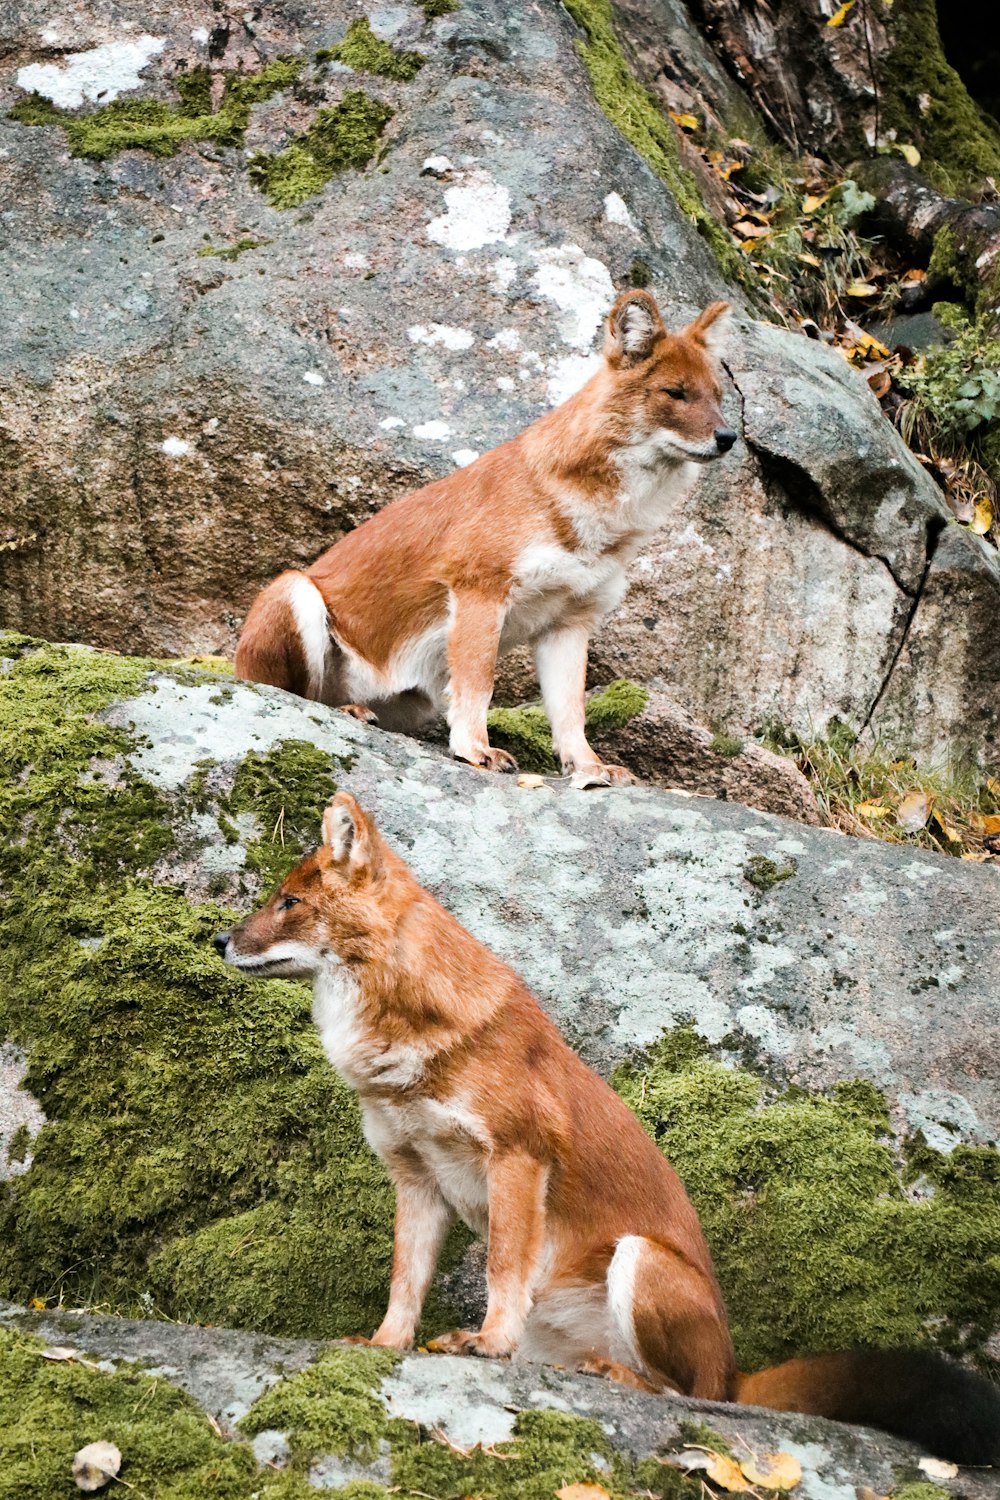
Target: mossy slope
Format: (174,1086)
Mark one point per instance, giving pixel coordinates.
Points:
(171,1452)
(200,1155)
(827,1232)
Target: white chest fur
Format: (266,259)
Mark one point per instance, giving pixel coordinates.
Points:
(359,1058)
(447,1137)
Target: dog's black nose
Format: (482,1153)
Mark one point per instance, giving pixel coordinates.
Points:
(220,943)
(725,437)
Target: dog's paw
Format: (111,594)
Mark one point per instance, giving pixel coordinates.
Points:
(600,775)
(470,1341)
(359,711)
(489,759)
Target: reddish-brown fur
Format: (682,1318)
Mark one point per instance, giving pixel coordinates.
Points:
(480,1109)
(586,484)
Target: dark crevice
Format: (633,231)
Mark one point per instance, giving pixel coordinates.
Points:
(806,497)
(934,531)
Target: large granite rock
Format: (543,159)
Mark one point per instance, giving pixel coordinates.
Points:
(175,427)
(807,1024)
(446,1407)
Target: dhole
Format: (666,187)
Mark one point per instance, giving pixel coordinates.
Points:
(479,1109)
(406,615)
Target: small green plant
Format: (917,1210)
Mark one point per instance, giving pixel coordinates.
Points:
(954,390)
(362,50)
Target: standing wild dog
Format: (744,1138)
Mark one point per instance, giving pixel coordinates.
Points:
(480,1110)
(407,615)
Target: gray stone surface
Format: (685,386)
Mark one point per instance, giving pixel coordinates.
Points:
(474,1401)
(176,429)
(631,910)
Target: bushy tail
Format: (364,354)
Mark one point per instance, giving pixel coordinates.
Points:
(950,1411)
(285,640)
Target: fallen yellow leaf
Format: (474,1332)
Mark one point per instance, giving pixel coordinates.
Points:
(872,809)
(911,153)
(914,810)
(810,260)
(982,520)
(750,231)
(530,779)
(840,16)
(812,202)
(988,826)
(773,1471)
(582,1492)
(686,122)
(726,1473)
(861,289)
(951,833)
(37,1304)
(871,346)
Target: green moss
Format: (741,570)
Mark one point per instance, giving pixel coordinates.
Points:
(699,1435)
(434,8)
(763,873)
(199,1153)
(960,145)
(332,1407)
(286,790)
(636,114)
(169,1450)
(20,1144)
(615,705)
(527,734)
(919,1489)
(363,51)
(725,744)
(346,136)
(233,251)
(155,126)
(816,1241)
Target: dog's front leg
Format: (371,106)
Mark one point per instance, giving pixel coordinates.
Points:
(423,1218)
(474,627)
(561,661)
(518,1184)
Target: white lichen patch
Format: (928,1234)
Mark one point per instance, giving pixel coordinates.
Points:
(437,166)
(441,333)
(616,211)
(313,377)
(102,73)
(466,1399)
(478,213)
(175,447)
(507,339)
(504,274)
(388,21)
(18,1109)
(581,288)
(570,374)
(464,456)
(432,432)
(387,424)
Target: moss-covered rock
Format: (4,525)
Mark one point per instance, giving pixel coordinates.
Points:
(827,1231)
(345,136)
(527,733)
(200,1157)
(155,126)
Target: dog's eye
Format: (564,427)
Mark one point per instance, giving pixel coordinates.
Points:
(675,392)
(288,901)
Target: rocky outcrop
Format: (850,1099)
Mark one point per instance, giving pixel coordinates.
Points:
(805,1023)
(198,388)
(513,1427)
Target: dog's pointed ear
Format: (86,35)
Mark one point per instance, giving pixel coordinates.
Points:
(710,326)
(349,834)
(634,328)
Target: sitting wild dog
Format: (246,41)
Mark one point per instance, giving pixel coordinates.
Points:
(480,1110)
(406,616)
